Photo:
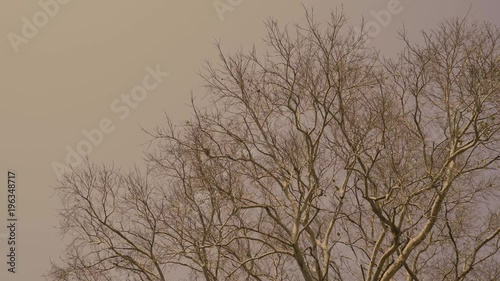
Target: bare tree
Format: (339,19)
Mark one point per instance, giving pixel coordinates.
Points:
(318,160)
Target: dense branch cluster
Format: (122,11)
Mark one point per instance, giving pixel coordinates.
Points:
(318,160)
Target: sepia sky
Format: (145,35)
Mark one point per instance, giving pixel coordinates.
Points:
(71,74)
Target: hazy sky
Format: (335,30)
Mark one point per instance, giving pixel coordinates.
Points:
(81,59)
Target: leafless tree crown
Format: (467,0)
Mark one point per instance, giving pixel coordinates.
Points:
(317,160)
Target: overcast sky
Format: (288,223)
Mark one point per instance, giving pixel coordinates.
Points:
(67,71)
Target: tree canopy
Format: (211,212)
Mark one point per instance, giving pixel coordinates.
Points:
(317,159)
